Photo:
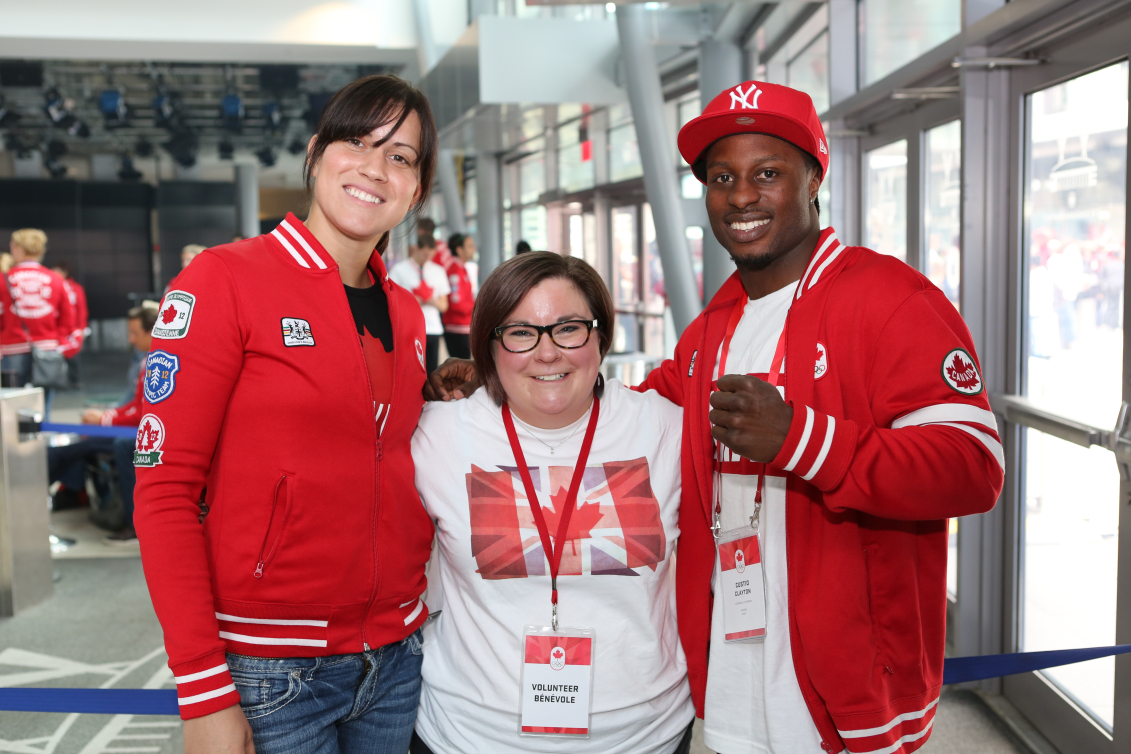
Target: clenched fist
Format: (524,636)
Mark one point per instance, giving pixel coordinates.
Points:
(749,416)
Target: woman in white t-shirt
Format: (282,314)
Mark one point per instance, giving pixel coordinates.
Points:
(429,283)
(541,326)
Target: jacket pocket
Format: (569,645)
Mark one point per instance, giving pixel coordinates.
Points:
(281,501)
(882,655)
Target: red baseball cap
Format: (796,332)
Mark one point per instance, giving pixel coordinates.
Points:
(755,107)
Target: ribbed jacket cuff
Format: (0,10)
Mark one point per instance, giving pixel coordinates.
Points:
(204,686)
(818,447)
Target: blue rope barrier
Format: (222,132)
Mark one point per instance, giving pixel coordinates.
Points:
(90,701)
(90,430)
(164,702)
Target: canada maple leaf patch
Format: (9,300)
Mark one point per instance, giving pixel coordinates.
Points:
(168,315)
(961,373)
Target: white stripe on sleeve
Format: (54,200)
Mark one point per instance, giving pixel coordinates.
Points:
(412,616)
(991,444)
(810,417)
(271,640)
(206,695)
(202,674)
(828,443)
(866,732)
(943,412)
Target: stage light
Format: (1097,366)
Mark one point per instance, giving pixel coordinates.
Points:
(182,147)
(272,116)
(56,149)
(227,149)
(266,156)
(59,111)
(232,112)
(7,117)
(128,171)
(56,169)
(143,148)
(112,103)
(296,147)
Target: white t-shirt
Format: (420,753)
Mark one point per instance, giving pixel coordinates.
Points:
(407,274)
(754,703)
(618,580)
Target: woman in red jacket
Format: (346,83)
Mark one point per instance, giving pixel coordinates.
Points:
(283,541)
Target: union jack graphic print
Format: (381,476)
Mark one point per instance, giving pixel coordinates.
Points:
(615,528)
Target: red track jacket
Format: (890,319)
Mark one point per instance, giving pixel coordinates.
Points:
(13,337)
(77,295)
(461,301)
(44,308)
(128,414)
(891,435)
(315,541)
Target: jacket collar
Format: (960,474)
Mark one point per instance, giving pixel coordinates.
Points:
(828,250)
(305,250)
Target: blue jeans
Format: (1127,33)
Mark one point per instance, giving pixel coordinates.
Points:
(347,704)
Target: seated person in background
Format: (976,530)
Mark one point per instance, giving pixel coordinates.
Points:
(67,464)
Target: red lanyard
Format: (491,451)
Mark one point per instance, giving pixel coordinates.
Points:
(773,377)
(553,554)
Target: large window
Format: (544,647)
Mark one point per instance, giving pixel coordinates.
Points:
(575,157)
(1075,199)
(942,226)
(895,32)
(809,71)
(624,151)
(885,206)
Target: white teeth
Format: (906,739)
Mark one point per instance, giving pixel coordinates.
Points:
(550,377)
(363,196)
(749,226)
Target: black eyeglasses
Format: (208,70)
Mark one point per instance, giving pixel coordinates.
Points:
(573,333)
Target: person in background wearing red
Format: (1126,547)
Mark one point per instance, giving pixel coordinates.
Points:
(457,319)
(41,302)
(426,229)
(77,294)
(429,283)
(14,349)
(283,540)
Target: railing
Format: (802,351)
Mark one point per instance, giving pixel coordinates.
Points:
(630,368)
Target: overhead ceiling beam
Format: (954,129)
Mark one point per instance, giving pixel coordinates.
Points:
(794,25)
(756,23)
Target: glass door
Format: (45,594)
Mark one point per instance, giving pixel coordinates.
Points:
(1073,240)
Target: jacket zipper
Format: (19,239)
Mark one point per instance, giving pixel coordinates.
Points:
(265,557)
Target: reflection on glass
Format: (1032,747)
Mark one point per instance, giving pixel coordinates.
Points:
(809,71)
(626,278)
(624,154)
(532,224)
(508,236)
(653,285)
(1075,168)
(471,197)
(885,213)
(690,187)
(574,173)
(825,199)
(1071,551)
(576,237)
(531,178)
(942,226)
(688,109)
(694,236)
(508,173)
(897,31)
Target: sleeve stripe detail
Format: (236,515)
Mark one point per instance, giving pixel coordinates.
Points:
(230,688)
(909,738)
(835,253)
(809,419)
(991,444)
(243,639)
(272,621)
(302,242)
(955,412)
(411,601)
(813,263)
(414,613)
(202,674)
(291,249)
(865,732)
(828,443)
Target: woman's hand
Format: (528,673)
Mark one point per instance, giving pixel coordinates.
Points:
(91,416)
(223,732)
(454,379)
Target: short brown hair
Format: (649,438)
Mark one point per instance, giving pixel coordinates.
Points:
(368,103)
(146,313)
(508,285)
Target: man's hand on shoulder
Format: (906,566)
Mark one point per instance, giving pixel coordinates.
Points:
(223,732)
(749,416)
(452,380)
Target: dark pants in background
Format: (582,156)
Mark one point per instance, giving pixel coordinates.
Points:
(432,353)
(459,344)
(67,464)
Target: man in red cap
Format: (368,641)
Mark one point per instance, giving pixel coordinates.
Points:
(834,419)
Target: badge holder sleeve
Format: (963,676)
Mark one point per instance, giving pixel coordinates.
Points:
(556,697)
(741,585)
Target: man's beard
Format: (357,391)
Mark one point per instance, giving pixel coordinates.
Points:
(755,264)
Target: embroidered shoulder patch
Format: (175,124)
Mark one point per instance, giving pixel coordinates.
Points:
(150,438)
(822,366)
(160,375)
(175,315)
(296,332)
(960,372)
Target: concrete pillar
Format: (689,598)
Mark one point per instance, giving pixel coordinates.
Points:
(449,189)
(720,68)
(247,200)
(490,220)
(426,41)
(661,183)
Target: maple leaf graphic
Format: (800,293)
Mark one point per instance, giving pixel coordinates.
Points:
(962,372)
(581,523)
(169,315)
(147,437)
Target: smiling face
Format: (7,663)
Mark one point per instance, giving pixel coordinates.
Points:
(549,387)
(364,188)
(759,197)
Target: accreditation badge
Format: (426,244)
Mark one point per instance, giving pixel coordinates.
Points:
(557,681)
(741,585)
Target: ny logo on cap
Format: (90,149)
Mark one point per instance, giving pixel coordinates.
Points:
(741,99)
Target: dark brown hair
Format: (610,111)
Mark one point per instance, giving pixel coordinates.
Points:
(368,103)
(508,285)
(146,313)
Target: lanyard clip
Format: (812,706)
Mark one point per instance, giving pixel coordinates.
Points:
(716,528)
(554,618)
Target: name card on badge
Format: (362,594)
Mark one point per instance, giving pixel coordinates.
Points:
(742,586)
(557,679)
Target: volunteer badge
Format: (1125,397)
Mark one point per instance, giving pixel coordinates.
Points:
(296,332)
(175,315)
(557,676)
(150,438)
(160,375)
(960,373)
